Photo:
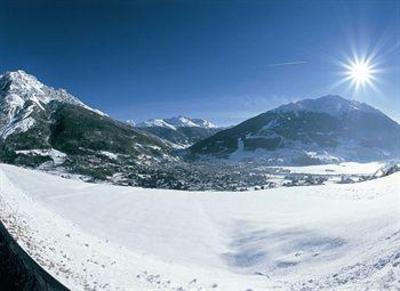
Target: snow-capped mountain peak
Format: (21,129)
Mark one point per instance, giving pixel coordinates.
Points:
(182,121)
(194,122)
(20,80)
(331,104)
(21,94)
(28,87)
(156,122)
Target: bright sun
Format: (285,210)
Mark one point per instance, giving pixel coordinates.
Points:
(360,72)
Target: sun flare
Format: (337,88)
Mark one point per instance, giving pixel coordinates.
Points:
(360,72)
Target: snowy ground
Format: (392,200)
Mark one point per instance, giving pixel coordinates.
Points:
(103,237)
(345,168)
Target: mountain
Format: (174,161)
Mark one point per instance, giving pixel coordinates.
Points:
(44,127)
(326,129)
(180,131)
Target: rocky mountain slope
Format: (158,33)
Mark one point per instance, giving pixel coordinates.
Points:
(44,127)
(326,129)
(180,131)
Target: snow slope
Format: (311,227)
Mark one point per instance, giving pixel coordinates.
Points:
(346,168)
(331,237)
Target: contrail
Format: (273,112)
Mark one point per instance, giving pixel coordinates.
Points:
(288,64)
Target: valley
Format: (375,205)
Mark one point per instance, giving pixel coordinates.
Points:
(49,129)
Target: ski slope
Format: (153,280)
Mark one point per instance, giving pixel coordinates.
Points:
(104,237)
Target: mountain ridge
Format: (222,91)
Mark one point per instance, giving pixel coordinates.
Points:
(335,105)
(326,129)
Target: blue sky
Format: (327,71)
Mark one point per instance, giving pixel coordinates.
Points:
(221,60)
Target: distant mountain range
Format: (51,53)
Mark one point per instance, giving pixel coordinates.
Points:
(180,131)
(177,122)
(326,129)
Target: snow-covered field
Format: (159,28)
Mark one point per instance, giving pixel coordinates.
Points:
(104,237)
(345,168)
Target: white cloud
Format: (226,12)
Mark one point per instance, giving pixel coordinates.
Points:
(295,63)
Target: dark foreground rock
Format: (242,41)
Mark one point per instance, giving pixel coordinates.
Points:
(18,271)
